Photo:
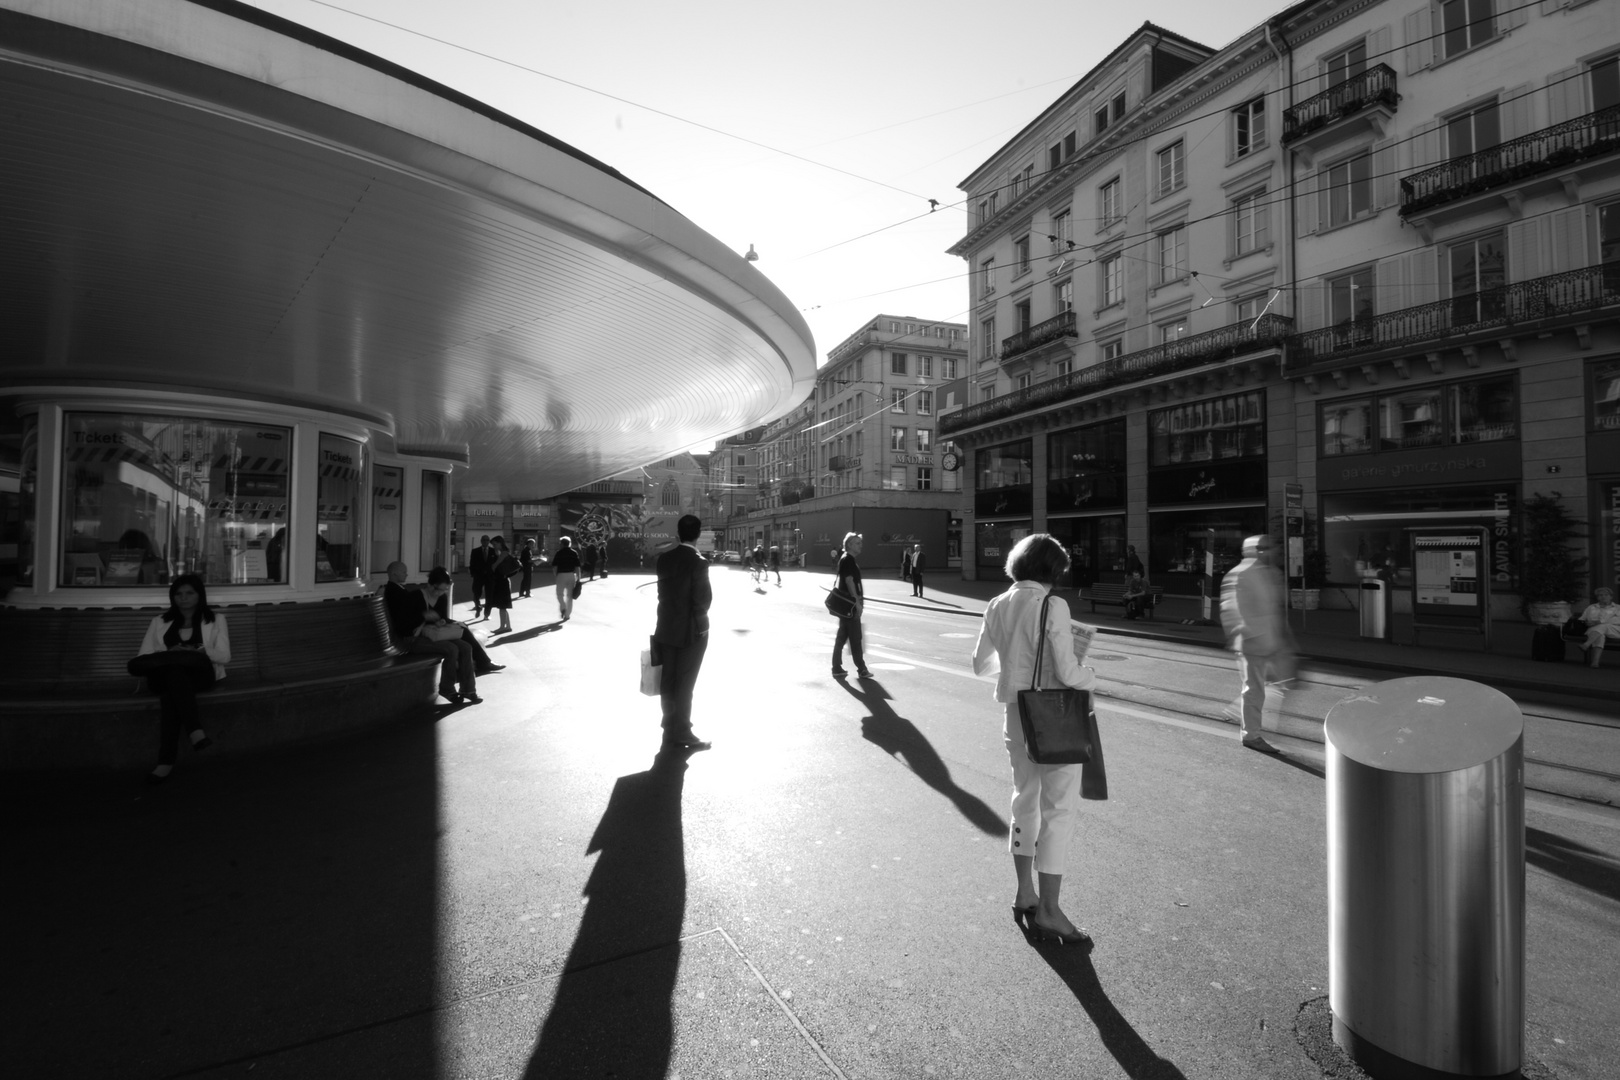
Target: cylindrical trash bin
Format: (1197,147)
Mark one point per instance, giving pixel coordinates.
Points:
(1372,608)
(1425,789)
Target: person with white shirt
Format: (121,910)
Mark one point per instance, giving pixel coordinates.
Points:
(1257,630)
(1044,796)
(1602,621)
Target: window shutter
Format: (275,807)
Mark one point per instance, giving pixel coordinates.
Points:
(1548,7)
(1422,277)
(1379,42)
(1305,82)
(1419,48)
(1309,206)
(1428,145)
(1525,249)
(1390,277)
(1567,236)
(1517,116)
(1566,95)
(1513,17)
(1262,222)
(1311,307)
(1386,186)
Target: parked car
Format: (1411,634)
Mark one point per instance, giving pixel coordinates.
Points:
(733,556)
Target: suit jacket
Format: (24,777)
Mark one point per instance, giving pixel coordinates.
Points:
(1252,608)
(919,562)
(407,610)
(479,564)
(684,595)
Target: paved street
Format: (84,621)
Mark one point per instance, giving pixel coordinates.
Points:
(525,888)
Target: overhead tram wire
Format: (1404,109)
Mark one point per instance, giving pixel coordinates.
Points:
(614,97)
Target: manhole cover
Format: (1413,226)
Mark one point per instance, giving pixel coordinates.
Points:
(1105,656)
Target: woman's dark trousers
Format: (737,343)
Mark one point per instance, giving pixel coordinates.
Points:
(848,630)
(177,692)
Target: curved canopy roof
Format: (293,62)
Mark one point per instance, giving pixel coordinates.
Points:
(200,195)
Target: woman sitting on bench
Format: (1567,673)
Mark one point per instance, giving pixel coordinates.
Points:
(1602,621)
(1136,597)
(185,651)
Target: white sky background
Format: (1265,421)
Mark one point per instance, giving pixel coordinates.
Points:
(909,95)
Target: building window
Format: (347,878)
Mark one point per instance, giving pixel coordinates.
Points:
(1605,393)
(1173,254)
(1021,254)
(987,339)
(1063,367)
(897,438)
(1473,131)
(1108,202)
(1111,113)
(1478,277)
(1347,427)
(925,403)
(1022,382)
(1465,24)
(857,375)
(897,399)
(1063,295)
(1248,309)
(925,366)
(897,478)
(1062,236)
(925,440)
(1112,277)
(925,478)
(1605,83)
(1345,64)
(669,496)
(987,277)
(145,498)
(987,392)
(1174,330)
(1215,429)
(1172,167)
(1112,350)
(897,363)
(1249,127)
(1250,223)
(1351,297)
(860,442)
(1349,190)
(1021,320)
(947,367)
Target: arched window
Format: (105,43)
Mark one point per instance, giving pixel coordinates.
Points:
(670,497)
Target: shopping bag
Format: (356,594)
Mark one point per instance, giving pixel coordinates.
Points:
(651,674)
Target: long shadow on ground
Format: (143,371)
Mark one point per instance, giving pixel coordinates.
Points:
(1574,862)
(611,1020)
(899,738)
(1135,1057)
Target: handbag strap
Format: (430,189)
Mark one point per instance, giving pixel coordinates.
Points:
(1040,644)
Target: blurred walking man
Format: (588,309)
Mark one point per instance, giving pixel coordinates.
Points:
(1257,630)
(682,634)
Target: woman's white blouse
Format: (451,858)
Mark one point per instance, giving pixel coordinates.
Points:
(216,638)
(1007,639)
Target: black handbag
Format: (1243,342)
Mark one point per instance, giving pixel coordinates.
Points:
(194,660)
(839,604)
(1058,724)
(579,587)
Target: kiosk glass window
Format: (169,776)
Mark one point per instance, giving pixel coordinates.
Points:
(387,515)
(433,517)
(337,509)
(145,498)
(18,507)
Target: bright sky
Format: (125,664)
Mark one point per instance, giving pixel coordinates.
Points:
(898,99)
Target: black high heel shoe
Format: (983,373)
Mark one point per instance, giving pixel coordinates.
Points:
(1046,933)
(1023,915)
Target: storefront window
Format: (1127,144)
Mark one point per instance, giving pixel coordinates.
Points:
(1177,541)
(1086,467)
(1483,410)
(1364,531)
(1347,427)
(432,547)
(1606,395)
(387,515)
(146,498)
(19,482)
(995,540)
(1607,546)
(1410,420)
(1096,547)
(337,510)
(1005,477)
(1217,429)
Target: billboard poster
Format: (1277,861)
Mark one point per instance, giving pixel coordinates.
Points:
(615,526)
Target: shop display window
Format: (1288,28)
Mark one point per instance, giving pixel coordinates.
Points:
(146,498)
(1096,547)
(1606,395)
(1177,540)
(1409,420)
(994,542)
(1347,427)
(337,509)
(1482,410)
(1086,467)
(1006,466)
(1217,429)
(1365,532)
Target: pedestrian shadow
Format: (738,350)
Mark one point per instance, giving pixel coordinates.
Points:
(1574,862)
(523,635)
(1135,1057)
(613,1011)
(940,603)
(899,738)
(1303,764)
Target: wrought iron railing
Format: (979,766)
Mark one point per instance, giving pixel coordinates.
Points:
(1552,148)
(1569,293)
(1188,352)
(1059,326)
(1376,85)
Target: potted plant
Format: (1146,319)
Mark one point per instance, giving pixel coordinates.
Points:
(1552,570)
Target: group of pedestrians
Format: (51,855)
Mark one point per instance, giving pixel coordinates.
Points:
(492,565)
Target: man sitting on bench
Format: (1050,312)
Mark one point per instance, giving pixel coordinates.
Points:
(1136,597)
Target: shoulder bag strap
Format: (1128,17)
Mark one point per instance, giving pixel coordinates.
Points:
(1040,644)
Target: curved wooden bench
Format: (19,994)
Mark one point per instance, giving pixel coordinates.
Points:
(1104,593)
(298,670)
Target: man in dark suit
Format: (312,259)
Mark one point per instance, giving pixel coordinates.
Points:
(407,611)
(479,565)
(682,635)
(914,571)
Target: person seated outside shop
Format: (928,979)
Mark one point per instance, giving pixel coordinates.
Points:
(184,652)
(408,622)
(437,593)
(1137,601)
(1602,621)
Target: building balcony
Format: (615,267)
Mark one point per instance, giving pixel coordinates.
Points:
(1506,167)
(1342,111)
(1237,339)
(1523,304)
(1058,328)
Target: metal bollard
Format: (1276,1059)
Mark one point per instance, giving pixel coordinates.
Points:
(1425,788)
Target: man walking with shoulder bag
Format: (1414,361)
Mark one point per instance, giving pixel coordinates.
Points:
(682,634)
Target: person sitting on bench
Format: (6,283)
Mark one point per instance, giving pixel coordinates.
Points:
(1136,597)
(1602,621)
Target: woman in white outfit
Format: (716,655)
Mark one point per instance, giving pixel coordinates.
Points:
(1044,796)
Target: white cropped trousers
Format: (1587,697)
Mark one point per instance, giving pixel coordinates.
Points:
(1043,802)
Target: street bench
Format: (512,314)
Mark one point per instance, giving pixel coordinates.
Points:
(1574,631)
(297,670)
(1106,593)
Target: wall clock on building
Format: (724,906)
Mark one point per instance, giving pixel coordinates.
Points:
(952,461)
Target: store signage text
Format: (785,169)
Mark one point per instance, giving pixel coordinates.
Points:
(1415,468)
(336,458)
(912,459)
(1501,546)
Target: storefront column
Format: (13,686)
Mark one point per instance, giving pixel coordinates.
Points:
(1037,473)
